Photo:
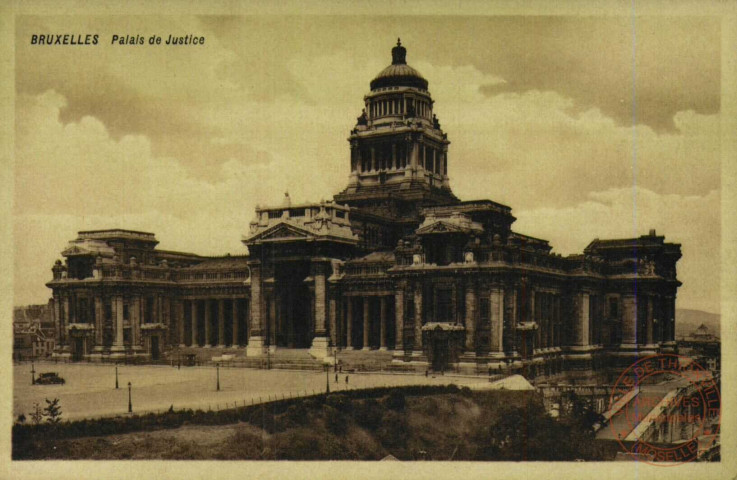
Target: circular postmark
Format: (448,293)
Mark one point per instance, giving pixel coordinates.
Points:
(664,409)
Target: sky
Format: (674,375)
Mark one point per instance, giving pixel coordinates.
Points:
(588,127)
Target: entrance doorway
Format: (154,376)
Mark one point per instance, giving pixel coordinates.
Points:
(78,350)
(154,347)
(293,305)
(440,353)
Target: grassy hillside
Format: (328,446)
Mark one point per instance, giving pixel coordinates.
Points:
(496,425)
(689,320)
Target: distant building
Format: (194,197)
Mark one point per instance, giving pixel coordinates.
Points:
(704,346)
(33,332)
(395,262)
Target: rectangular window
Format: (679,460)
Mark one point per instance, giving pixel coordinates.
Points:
(126,312)
(484,310)
(613,308)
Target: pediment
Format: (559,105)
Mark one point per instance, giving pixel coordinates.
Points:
(441,227)
(282,231)
(75,250)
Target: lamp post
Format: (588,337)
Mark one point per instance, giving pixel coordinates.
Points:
(130,404)
(217,370)
(268,358)
(327,378)
(116,376)
(33,374)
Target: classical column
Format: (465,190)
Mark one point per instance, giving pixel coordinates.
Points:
(649,326)
(134,320)
(470,319)
(417,347)
(497,321)
(373,159)
(399,320)
(320,344)
(272,320)
(234,340)
(333,322)
(349,323)
(629,320)
(180,321)
(365,323)
(208,319)
(582,331)
(118,345)
(194,342)
(510,320)
(382,313)
(256,339)
(57,309)
(98,323)
(221,323)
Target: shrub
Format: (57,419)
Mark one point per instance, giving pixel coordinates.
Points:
(339,402)
(335,421)
(395,400)
(393,430)
(368,413)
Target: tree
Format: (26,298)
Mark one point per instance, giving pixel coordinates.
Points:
(37,416)
(52,412)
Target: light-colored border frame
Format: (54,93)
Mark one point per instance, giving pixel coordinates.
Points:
(727,468)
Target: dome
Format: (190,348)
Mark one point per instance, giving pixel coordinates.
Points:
(399,74)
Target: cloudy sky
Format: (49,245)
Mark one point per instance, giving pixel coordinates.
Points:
(586,126)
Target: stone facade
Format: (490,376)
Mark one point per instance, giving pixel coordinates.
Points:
(394,262)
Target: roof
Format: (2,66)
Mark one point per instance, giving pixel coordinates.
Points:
(377,257)
(399,74)
(226,262)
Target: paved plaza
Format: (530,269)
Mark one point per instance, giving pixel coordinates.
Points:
(90,392)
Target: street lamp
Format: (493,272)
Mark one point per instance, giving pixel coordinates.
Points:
(327,378)
(130,404)
(33,374)
(116,376)
(217,369)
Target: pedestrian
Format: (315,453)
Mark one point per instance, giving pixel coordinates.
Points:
(346,379)
(336,377)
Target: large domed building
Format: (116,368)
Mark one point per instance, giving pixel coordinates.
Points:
(396,266)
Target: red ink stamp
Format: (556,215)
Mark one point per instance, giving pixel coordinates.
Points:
(665,409)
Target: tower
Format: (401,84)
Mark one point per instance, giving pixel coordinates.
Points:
(399,153)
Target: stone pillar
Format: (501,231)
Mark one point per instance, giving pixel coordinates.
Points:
(180,321)
(649,326)
(234,341)
(417,347)
(497,321)
(365,323)
(399,320)
(221,323)
(510,320)
(57,312)
(256,339)
(382,318)
(208,319)
(320,345)
(582,330)
(470,319)
(333,322)
(373,159)
(272,320)
(195,341)
(118,345)
(99,323)
(349,324)
(629,320)
(135,321)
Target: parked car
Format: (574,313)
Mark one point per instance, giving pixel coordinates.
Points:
(49,378)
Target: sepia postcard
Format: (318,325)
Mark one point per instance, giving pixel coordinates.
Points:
(381,240)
